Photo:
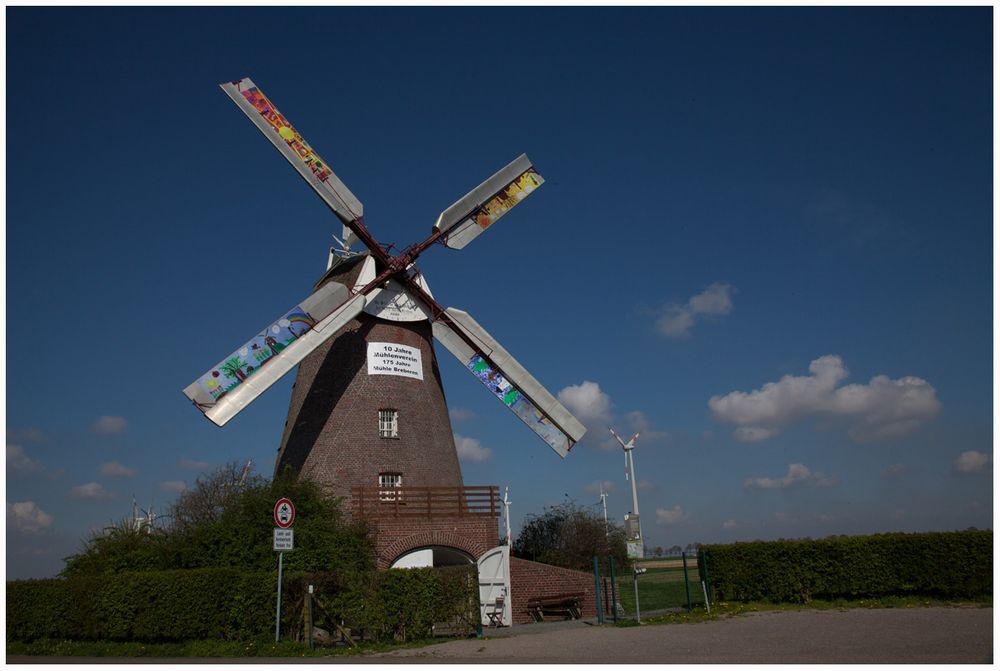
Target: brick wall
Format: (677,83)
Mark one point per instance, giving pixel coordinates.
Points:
(331,435)
(395,537)
(529,580)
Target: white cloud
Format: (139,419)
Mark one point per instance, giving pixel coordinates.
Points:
(91,490)
(729,524)
(797,474)
(113,469)
(971,462)
(595,487)
(753,434)
(644,485)
(675,321)
(191,465)
(639,423)
(671,515)
(592,407)
(29,434)
(883,408)
(469,449)
(18,461)
(895,471)
(588,403)
(109,424)
(460,414)
(28,517)
(173,486)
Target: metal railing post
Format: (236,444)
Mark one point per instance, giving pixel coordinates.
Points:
(614,591)
(687,582)
(597,591)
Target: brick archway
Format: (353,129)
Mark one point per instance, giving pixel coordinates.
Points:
(472,546)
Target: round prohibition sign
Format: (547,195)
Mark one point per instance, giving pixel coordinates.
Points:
(284,513)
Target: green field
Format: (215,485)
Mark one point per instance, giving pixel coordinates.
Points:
(659,588)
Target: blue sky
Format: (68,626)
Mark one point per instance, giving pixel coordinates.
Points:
(763,240)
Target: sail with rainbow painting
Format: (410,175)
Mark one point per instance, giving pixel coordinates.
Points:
(245,361)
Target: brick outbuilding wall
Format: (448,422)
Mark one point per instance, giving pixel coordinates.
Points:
(529,580)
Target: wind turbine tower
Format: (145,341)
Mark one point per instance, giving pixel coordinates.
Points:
(506,512)
(633,532)
(604,503)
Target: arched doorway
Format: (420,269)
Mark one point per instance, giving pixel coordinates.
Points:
(433,555)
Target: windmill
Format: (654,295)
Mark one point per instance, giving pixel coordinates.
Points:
(363,337)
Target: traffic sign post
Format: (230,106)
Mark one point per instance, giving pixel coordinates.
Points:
(284,540)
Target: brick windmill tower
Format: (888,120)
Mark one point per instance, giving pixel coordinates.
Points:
(351,425)
(368,417)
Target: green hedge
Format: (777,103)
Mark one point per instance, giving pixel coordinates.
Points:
(174,605)
(228,604)
(942,565)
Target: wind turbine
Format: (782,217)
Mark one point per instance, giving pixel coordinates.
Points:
(604,503)
(506,512)
(633,531)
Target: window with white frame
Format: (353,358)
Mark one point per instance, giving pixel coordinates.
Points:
(388,483)
(388,423)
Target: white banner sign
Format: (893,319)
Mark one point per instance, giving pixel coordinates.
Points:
(386,358)
(284,540)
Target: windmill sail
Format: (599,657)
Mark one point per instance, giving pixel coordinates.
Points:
(510,382)
(480,208)
(290,144)
(245,374)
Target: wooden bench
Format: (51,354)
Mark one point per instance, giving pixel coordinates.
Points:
(563,606)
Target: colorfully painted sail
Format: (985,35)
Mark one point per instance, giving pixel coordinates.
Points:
(229,386)
(276,128)
(480,208)
(508,380)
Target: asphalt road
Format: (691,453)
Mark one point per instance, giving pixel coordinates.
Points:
(894,636)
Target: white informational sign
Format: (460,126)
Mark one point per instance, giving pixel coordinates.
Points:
(634,549)
(387,358)
(284,540)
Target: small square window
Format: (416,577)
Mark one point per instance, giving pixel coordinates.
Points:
(388,483)
(388,423)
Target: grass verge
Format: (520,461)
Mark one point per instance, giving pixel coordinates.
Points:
(724,609)
(208,648)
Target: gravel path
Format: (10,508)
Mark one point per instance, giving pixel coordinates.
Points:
(898,636)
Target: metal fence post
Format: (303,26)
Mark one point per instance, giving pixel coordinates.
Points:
(309,617)
(635,585)
(597,591)
(687,582)
(614,591)
(708,577)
